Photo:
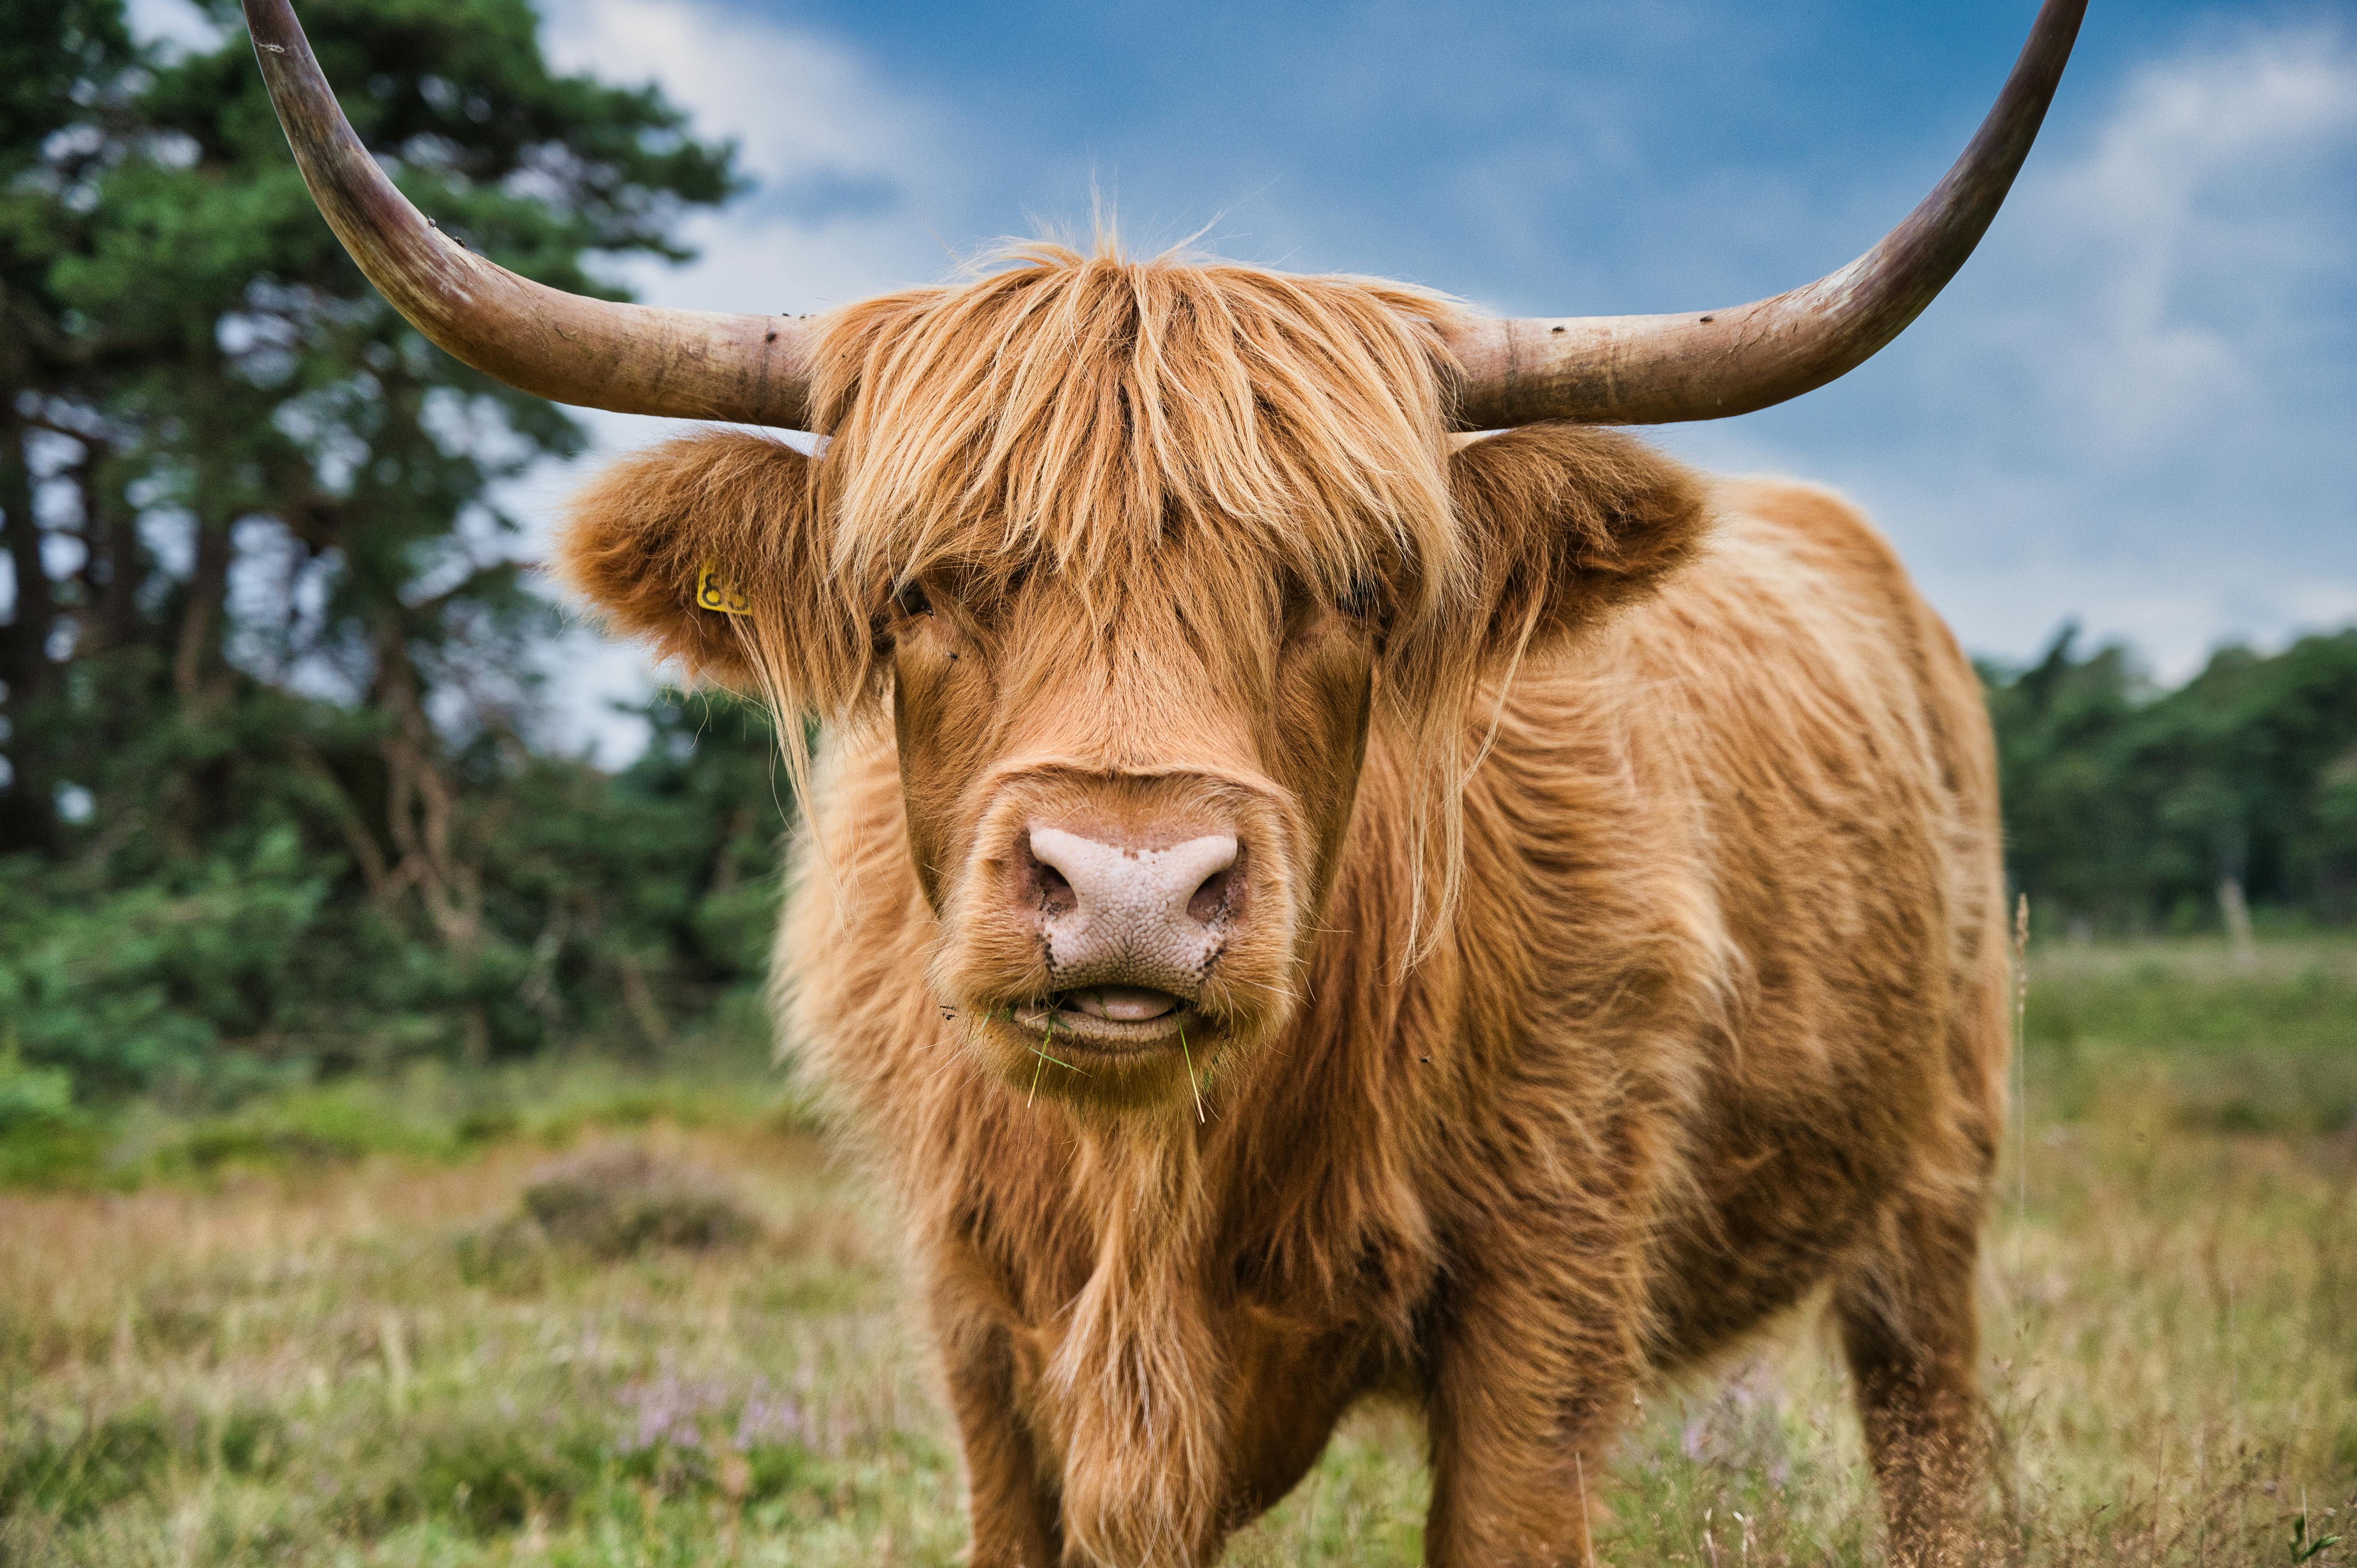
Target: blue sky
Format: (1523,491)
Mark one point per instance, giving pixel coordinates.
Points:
(2137,407)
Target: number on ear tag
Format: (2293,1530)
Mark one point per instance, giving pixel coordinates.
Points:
(714,592)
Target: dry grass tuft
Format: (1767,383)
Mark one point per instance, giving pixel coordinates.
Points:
(617,1201)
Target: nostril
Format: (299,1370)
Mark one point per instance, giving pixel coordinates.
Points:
(1052,892)
(1211,901)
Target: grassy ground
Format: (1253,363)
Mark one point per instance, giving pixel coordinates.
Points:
(575,1316)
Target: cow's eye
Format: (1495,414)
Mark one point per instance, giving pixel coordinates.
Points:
(912,601)
(1359,598)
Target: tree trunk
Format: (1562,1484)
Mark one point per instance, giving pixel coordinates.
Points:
(198,656)
(421,806)
(112,532)
(2236,911)
(28,807)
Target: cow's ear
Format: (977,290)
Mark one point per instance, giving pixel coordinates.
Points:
(706,548)
(1563,522)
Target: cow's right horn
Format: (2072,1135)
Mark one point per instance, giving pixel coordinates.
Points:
(1653,369)
(632,359)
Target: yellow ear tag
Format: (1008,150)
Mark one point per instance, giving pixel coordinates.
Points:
(714,592)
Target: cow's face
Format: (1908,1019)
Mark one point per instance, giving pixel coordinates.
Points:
(1139,560)
(1126,806)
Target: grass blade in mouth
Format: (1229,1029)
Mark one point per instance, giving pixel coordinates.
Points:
(1188,1057)
(1044,1059)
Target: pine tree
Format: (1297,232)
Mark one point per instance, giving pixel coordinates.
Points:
(273,793)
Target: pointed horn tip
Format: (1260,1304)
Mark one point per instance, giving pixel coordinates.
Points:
(1657,369)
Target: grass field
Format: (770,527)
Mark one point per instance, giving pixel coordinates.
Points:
(579,1317)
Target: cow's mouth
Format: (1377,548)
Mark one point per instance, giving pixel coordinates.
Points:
(1119,1004)
(1114,1019)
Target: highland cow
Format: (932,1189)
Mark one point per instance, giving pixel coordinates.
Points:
(1309,901)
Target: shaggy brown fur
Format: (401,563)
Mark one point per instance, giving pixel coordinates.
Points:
(1713,1017)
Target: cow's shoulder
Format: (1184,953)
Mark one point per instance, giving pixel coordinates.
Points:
(1820,530)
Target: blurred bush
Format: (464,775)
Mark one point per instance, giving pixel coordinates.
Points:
(604,1206)
(617,909)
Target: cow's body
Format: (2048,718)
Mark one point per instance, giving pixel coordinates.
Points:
(1719,1020)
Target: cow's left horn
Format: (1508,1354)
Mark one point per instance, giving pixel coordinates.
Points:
(633,359)
(1654,370)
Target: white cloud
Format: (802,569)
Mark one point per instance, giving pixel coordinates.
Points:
(2184,280)
(849,171)
(2322,605)
(2161,322)
(795,98)
(173,23)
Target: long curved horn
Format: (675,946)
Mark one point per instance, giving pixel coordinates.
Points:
(632,359)
(1655,369)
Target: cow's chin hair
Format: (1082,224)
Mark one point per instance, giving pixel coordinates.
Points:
(1167,1078)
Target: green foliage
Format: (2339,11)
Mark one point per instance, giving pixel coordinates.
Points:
(2304,1550)
(425,1111)
(2127,808)
(32,1096)
(138,984)
(620,908)
(273,803)
(42,1134)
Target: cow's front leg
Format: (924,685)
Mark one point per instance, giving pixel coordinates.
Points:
(1527,1394)
(1009,1504)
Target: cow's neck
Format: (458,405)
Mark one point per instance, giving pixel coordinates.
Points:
(1136,1376)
